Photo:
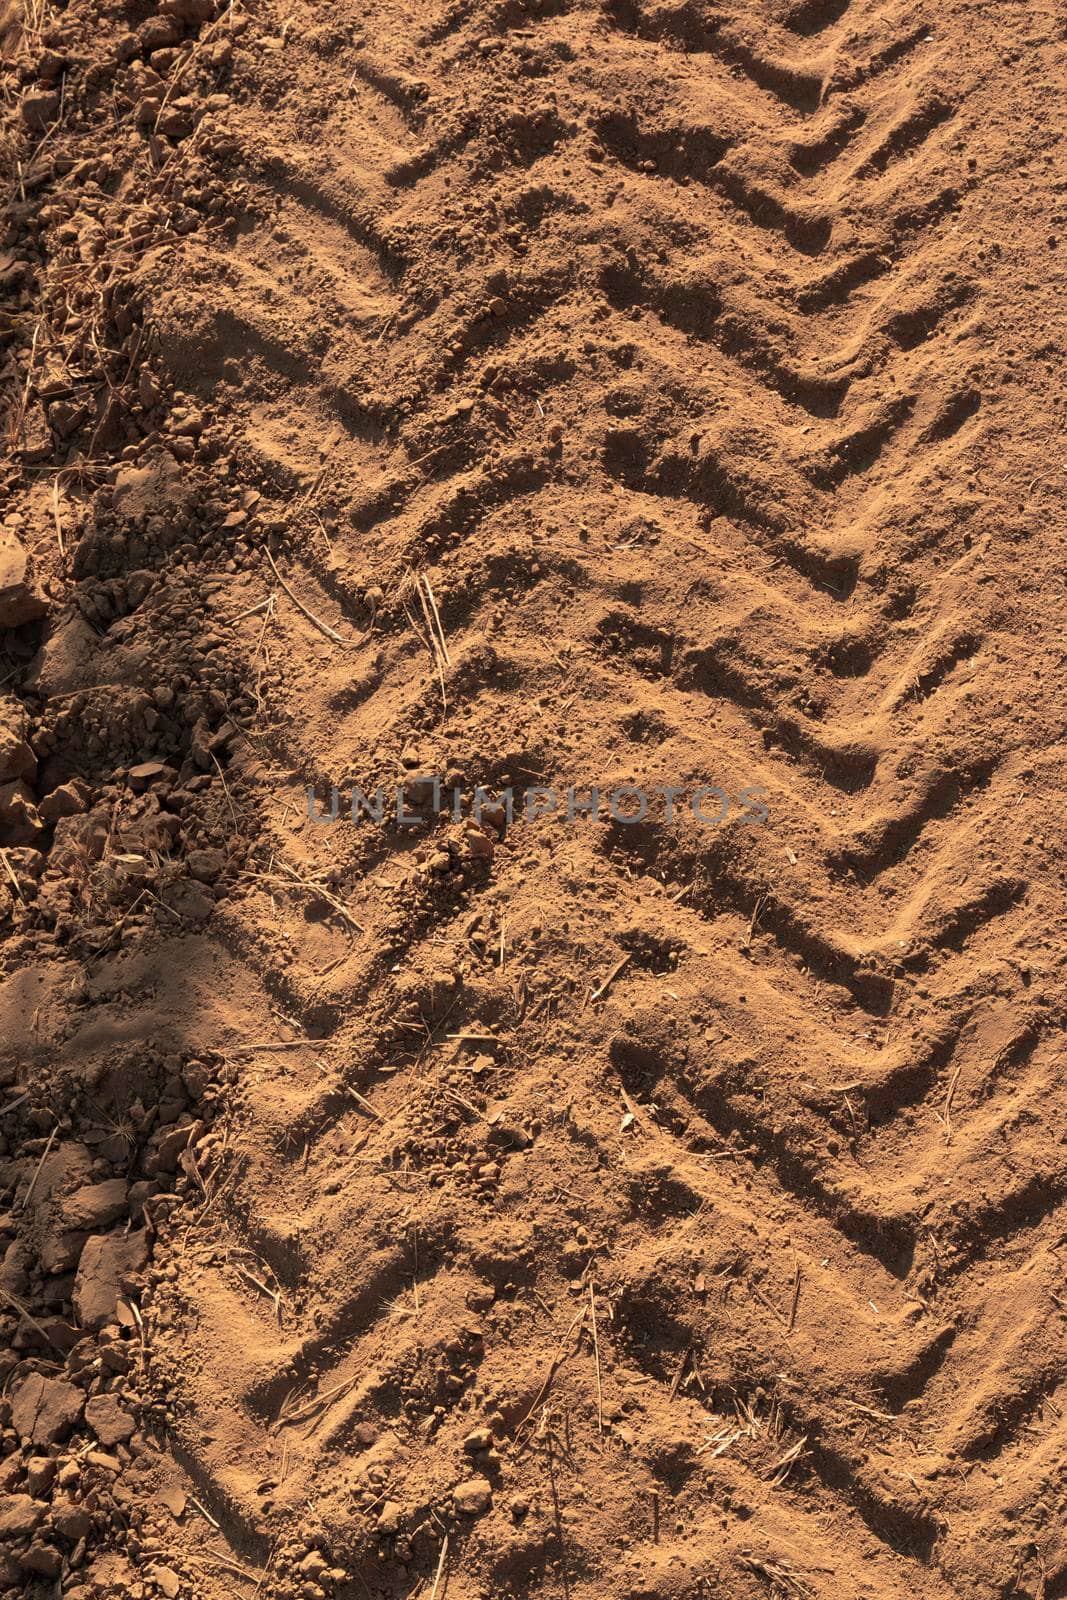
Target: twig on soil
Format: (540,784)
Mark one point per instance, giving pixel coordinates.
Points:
(757,908)
(270,1562)
(16,1304)
(363,1102)
(775,1572)
(250,611)
(437,619)
(28,1196)
(796,1300)
(945,1117)
(436,646)
(632,1111)
(324,457)
(281,1044)
(204,1512)
(454,1094)
(293,878)
(57,517)
(442,1558)
(231,1566)
(137,1317)
(556,1363)
(596,1358)
(781,1469)
(619,966)
(14,881)
(272,1294)
(323,627)
(868,1411)
(686,1353)
(771,1307)
(226,792)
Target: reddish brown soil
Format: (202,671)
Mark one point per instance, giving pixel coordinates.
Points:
(602,1211)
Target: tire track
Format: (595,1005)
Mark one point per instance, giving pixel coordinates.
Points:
(774,373)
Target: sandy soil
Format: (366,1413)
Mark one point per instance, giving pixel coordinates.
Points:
(532,393)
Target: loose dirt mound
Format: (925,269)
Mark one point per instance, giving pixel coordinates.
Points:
(533,397)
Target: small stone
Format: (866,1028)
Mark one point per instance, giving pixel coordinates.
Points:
(473,1497)
(158,33)
(42,1558)
(177,121)
(478,1439)
(190,899)
(109,1263)
(61,1252)
(50,64)
(18,603)
(200,745)
(20,821)
(71,1521)
(206,865)
(148,388)
(144,773)
(171,1144)
(44,1409)
(68,800)
(17,760)
(19,1515)
(38,107)
(175,1501)
(96,1206)
(40,1471)
(107,1419)
(166,1581)
(101,1459)
(390,1518)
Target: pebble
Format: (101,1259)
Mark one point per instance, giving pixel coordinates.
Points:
(37,108)
(68,800)
(18,603)
(206,865)
(390,1518)
(71,1521)
(45,1409)
(473,1497)
(17,759)
(97,1205)
(111,1424)
(19,1515)
(107,1264)
(42,1558)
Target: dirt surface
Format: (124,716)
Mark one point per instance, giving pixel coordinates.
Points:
(527,394)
